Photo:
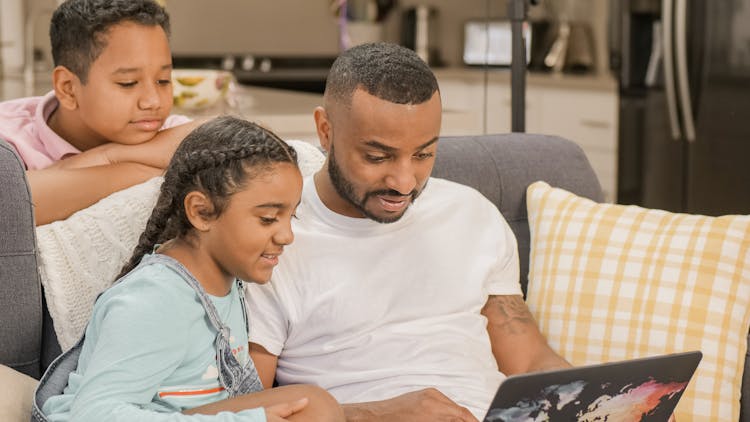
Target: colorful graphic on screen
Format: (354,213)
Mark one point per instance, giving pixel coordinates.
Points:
(589,402)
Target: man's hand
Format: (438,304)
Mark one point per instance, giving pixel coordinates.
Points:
(279,412)
(423,405)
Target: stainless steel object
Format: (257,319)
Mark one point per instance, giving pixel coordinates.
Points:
(686,106)
(667,12)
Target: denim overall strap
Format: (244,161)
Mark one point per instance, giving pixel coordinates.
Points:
(55,379)
(235,378)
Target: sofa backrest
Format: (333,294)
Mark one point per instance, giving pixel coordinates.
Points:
(20,289)
(502,166)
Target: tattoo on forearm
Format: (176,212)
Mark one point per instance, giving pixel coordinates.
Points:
(509,313)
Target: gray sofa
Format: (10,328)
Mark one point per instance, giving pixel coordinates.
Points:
(499,166)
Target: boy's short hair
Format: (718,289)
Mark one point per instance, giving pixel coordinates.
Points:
(78,28)
(387,71)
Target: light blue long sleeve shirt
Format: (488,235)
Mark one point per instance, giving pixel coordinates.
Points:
(149,354)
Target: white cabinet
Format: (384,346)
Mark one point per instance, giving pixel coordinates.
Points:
(580,109)
(588,118)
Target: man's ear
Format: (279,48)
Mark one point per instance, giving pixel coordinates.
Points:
(199,210)
(323,127)
(65,83)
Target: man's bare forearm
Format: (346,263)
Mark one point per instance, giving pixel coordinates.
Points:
(58,193)
(517,343)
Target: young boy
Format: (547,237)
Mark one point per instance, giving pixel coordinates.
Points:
(106,125)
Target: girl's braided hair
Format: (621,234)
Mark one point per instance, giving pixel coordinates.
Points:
(218,158)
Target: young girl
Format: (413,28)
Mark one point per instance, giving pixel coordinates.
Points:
(171,337)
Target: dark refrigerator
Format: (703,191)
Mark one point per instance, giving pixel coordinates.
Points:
(684,73)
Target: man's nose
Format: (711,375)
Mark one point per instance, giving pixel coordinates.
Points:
(402,177)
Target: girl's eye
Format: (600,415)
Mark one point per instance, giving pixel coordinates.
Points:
(267,221)
(126,84)
(164,81)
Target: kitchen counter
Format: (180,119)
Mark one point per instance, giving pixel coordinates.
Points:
(597,82)
(290,113)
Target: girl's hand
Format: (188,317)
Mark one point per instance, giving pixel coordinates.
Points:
(279,412)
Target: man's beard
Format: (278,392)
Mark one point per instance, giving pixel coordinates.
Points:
(345,189)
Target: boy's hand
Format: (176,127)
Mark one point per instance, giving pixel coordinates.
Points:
(279,412)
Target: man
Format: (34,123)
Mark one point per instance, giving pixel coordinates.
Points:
(400,295)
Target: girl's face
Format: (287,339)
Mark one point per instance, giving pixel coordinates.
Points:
(246,240)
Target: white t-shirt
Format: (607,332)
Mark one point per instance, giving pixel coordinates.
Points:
(369,311)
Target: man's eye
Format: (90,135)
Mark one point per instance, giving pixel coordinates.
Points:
(127,84)
(424,155)
(375,158)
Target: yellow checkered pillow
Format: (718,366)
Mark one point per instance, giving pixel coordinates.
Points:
(611,282)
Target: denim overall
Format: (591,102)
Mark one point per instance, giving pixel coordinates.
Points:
(235,378)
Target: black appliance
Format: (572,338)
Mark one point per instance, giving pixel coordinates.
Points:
(684,72)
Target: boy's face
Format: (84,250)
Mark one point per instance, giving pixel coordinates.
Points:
(128,94)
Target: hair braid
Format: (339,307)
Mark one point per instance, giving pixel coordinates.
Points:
(218,159)
(150,237)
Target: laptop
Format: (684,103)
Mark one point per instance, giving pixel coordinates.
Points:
(645,389)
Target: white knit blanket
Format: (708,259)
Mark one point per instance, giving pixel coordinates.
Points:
(80,256)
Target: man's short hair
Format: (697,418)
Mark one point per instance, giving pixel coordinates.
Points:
(387,71)
(78,28)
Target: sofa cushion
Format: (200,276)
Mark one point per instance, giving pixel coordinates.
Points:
(21,315)
(18,393)
(612,282)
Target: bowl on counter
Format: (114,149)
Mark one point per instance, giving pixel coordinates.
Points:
(195,89)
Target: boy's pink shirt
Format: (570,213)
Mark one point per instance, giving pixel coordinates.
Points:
(23,124)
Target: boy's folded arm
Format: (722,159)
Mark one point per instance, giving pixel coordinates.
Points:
(153,153)
(59,192)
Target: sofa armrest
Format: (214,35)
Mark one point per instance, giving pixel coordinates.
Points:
(20,288)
